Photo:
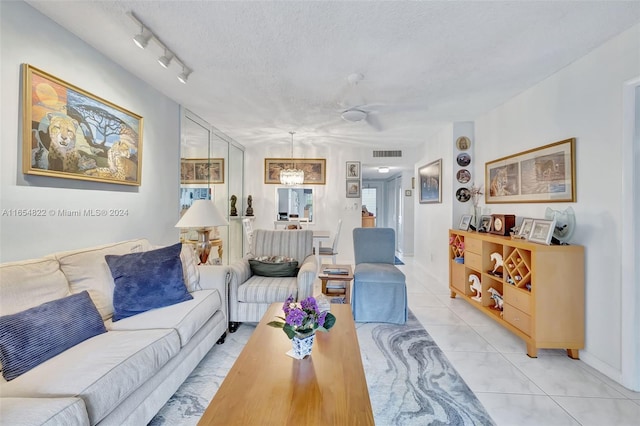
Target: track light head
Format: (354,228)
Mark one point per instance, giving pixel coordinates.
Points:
(165,59)
(141,40)
(184,75)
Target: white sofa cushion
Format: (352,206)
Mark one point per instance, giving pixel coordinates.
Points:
(43,411)
(87,270)
(30,283)
(103,370)
(185,317)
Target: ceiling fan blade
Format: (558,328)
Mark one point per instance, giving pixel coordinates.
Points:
(373,120)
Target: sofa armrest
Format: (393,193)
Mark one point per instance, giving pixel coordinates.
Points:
(216,277)
(306,276)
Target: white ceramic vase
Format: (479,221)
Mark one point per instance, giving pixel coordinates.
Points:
(302,344)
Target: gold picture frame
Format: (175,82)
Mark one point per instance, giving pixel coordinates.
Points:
(202,170)
(315,169)
(542,175)
(70,133)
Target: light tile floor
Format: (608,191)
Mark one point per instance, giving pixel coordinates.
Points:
(516,390)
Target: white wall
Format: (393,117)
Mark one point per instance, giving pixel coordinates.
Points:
(432,221)
(29,37)
(584,101)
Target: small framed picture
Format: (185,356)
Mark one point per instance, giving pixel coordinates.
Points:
(485,224)
(353,188)
(465,221)
(525,228)
(542,231)
(353,170)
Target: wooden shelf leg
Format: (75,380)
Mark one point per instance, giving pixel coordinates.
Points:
(532,351)
(573,353)
(453,295)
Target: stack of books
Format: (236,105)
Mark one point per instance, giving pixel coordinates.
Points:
(335,271)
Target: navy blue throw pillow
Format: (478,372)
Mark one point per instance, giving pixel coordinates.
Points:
(29,338)
(147,280)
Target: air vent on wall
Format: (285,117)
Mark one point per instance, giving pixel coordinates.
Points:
(387,153)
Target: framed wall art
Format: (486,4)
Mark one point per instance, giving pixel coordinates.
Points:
(315,169)
(542,175)
(353,188)
(71,133)
(430,179)
(202,170)
(353,170)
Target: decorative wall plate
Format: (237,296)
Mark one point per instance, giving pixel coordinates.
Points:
(463,176)
(463,159)
(463,195)
(463,143)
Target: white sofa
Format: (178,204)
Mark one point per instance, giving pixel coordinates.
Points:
(125,375)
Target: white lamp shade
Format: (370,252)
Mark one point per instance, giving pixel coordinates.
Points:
(202,214)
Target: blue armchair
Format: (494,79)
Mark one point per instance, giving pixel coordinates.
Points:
(379,291)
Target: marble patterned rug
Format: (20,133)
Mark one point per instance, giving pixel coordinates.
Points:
(410,380)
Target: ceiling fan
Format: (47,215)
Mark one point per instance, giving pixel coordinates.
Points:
(355,108)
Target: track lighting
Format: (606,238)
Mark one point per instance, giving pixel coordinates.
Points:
(165,59)
(184,75)
(142,40)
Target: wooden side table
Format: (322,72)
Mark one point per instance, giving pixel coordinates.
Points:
(346,278)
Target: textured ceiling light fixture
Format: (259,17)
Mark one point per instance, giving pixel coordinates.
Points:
(292,176)
(383,169)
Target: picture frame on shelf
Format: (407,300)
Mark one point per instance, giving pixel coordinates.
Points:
(70,133)
(353,188)
(525,228)
(546,174)
(430,180)
(465,221)
(353,170)
(485,223)
(542,231)
(202,170)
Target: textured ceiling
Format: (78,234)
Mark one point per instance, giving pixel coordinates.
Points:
(264,68)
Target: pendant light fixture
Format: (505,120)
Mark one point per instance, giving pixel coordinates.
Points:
(292,176)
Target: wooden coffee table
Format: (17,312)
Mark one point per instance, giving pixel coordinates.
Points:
(346,278)
(267,387)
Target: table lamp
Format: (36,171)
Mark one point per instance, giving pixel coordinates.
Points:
(202,215)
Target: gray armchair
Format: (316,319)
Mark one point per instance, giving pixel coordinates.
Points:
(250,295)
(379,291)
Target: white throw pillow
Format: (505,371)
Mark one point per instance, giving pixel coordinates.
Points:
(190,270)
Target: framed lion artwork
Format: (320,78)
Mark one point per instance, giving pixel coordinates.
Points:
(70,133)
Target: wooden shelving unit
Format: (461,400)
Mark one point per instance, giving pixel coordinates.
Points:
(542,287)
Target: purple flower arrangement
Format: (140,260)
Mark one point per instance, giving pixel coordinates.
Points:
(303,318)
